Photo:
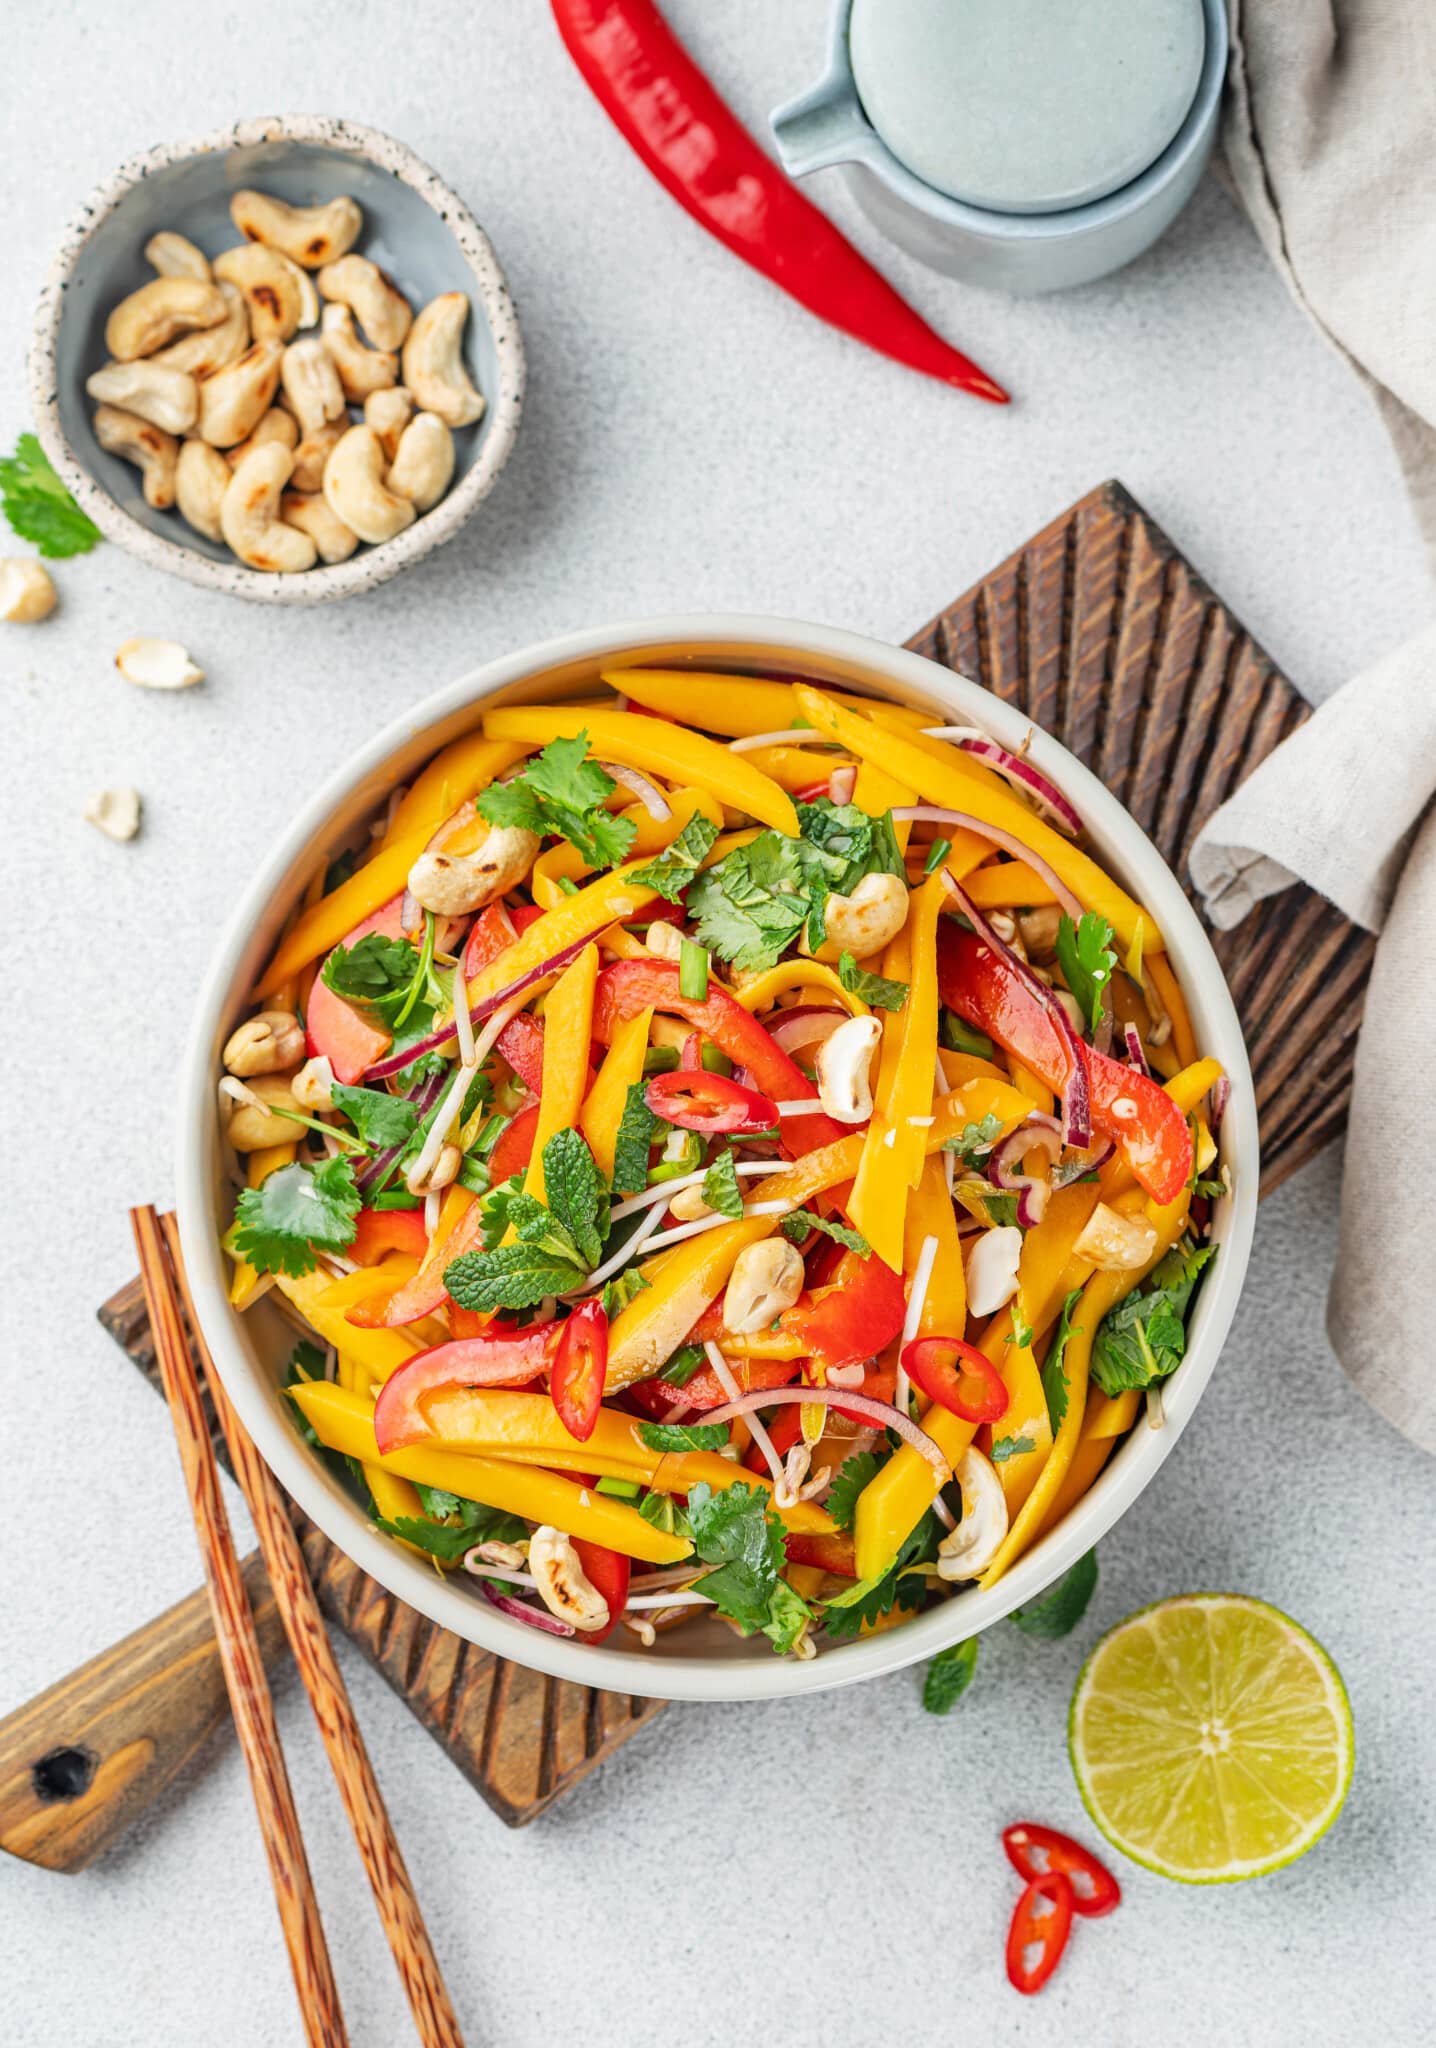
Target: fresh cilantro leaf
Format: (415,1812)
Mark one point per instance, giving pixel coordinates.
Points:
(1057,1613)
(873,989)
(853,1475)
(511,1276)
(1005,1447)
(720,1185)
(959,1036)
(974,1141)
(294,1213)
(561,791)
(381,1119)
(682,1365)
(870,1599)
(443,1540)
(637,1129)
(678,863)
(574,1191)
(484,1524)
(1145,1337)
(734,1532)
(1084,953)
(1021,1332)
(751,905)
(937,853)
(621,1290)
(665,1512)
(38,506)
(849,844)
(377,970)
(949,1675)
(1054,1377)
(796,1227)
(684,1436)
(789,1616)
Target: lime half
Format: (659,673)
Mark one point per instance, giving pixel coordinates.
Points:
(1211,1738)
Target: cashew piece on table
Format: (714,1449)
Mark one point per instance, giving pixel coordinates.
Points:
(452,884)
(250,1125)
(27,593)
(388,412)
(160,310)
(151,449)
(310,512)
(234,400)
(314,452)
(969,1549)
(201,479)
(841,1068)
(311,384)
(361,370)
(249,514)
(434,364)
(371,296)
(157,664)
(307,235)
(866,921)
(766,1279)
(274,425)
(265,1044)
(175,255)
(354,487)
(423,468)
(115,812)
(166,398)
(213,348)
(269,285)
(564,1586)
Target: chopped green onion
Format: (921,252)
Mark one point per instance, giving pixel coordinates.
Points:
(960,1037)
(396,1198)
(661,1059)
(937,853)
(621,1489)
(682,1366)
(693,972)
(568,885)
(715,1062)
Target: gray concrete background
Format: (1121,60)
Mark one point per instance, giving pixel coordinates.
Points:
(830,1870)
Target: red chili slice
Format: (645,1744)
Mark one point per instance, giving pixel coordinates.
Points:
(576,1384)
(1035,1851)
(1038,1934)
(957,1376)
(707,1103)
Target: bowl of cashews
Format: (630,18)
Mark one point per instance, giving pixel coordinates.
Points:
(281,361)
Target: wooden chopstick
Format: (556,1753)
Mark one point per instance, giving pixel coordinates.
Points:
(249,1695)
(333,1710)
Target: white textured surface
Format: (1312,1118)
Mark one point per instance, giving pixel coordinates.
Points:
(691,439)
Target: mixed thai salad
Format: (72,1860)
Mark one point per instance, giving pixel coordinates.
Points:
(758,1172)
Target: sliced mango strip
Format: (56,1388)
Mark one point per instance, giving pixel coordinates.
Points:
(568,1029)
(764,989)
(740,706)
(602,1111)
(380,1352)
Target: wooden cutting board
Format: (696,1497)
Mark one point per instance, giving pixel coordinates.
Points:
(1102,633)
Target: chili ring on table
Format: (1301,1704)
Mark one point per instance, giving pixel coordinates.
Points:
(758,1171)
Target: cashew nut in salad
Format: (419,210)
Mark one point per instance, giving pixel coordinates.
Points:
(992,1269)
(210,348)
(308,235)
(250,1125)
(160,310)
(115,812)
(234,400)
(27,592)
(372,297)
(361,370)
(434,363)
(314,452)
(688,1204)
(249,514)
(311,384)
(175,255)
(388,412)
(266,1044)
(270,285)
(356,492)
(969,1549)
(452,884)
(157,665)
(313,1085)
(151,449)
(1115,1243)
(274,425)
(166,398)
(424,466)
(766,1279)
(201,479)
(311,513)
(866,921)
(564,1586)
(1039,930)
(664,940)
(841,1069)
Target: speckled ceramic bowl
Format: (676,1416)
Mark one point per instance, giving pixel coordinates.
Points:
(414,227)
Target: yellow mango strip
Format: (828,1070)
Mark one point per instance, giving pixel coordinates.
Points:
(367,1281)
(651,744)
(942,782)
(959,1067)
(564,863)
(602,1110)
(567,1032)
(610,899)
(394,1497)
(795,768)
(687,1277)
(740,706)
(1008,885)
(323,926)
(344,1422)
(245,1280)
(1102,1293)
(1158,970)
(1026,1419)
(764,989)
(969,1104)
(1088,1459)
(930,1214)
(894,965)
(1027,1083)
(379,1352)
(895,1145)
(1110,1415)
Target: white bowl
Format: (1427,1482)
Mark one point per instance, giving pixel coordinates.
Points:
(250,1350)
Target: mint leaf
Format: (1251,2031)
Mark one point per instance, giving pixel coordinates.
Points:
(295,1213)
(562,792)
(684,1436)
(1084,953)
(672,871)
(873,989)
(511,1276)
(720,1185)
(38,506)
(974,1141)
(734,1532)
(853,1475)
(574,1191)
(949,1675)
(637,1129)
(1005,1447)
(1054,1377)
(1145,1337)
(796,1227)
(1058,1612)
(381,1119)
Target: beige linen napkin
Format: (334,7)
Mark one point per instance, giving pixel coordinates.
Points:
(1331,143)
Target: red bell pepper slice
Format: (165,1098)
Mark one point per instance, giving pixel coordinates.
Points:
(336,1030)
(657,1398)
(515,1146)
(854,1318)
(1039,1931)
(378,1231)
(576,1383)
(708,1103)
(521,1040)
(628,986)
(1033,1851)
(783,1432)
(829,1553)
(504,1358)
(521,1044)
(1128,1107)
(957,1376)
(607,1571)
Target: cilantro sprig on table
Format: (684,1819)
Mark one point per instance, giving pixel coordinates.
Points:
(562,792)
(294,1214)
(39,508)
(751,905)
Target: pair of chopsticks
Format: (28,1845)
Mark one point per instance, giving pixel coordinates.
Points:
(167,1293)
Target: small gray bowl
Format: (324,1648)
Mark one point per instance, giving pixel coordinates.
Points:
(414,227)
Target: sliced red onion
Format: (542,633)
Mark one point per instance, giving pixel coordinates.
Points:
(936,814)
(1221,1096)
(842,782)
(880,1412)
(648,793)
(804,1025)
(549,1623)
(394,1062)
(1005,1164)
(1092,1162)
(1135,1054)
(1030,780)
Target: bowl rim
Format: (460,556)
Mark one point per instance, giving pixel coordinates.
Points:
(720,637)
(371,566)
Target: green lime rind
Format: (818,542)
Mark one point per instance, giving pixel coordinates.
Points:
(1320,1661)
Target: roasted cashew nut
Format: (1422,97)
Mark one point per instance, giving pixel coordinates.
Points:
(213,348)
(309,511)
(311,384)
(361,370)
(150,448)
(166,398)
(424,465)
(564,1587)
(866,921)
(313,1085)
(201,480)
(664,940)
(157,664)
(388,412)
(371,296)
(434,363)
(355,490)
(841,1068)
(234,400)
(307,235)
(992,1270)
(314,452)
(766,1279)
(27,593)
(250,1123)
(1115,1243)
(452,884)
(175,255)
(269,285)
(265,1044)
(274,425)
(969,1549)
(160,310)
(249,514)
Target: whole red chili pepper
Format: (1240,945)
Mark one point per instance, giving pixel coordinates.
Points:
(660,101)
